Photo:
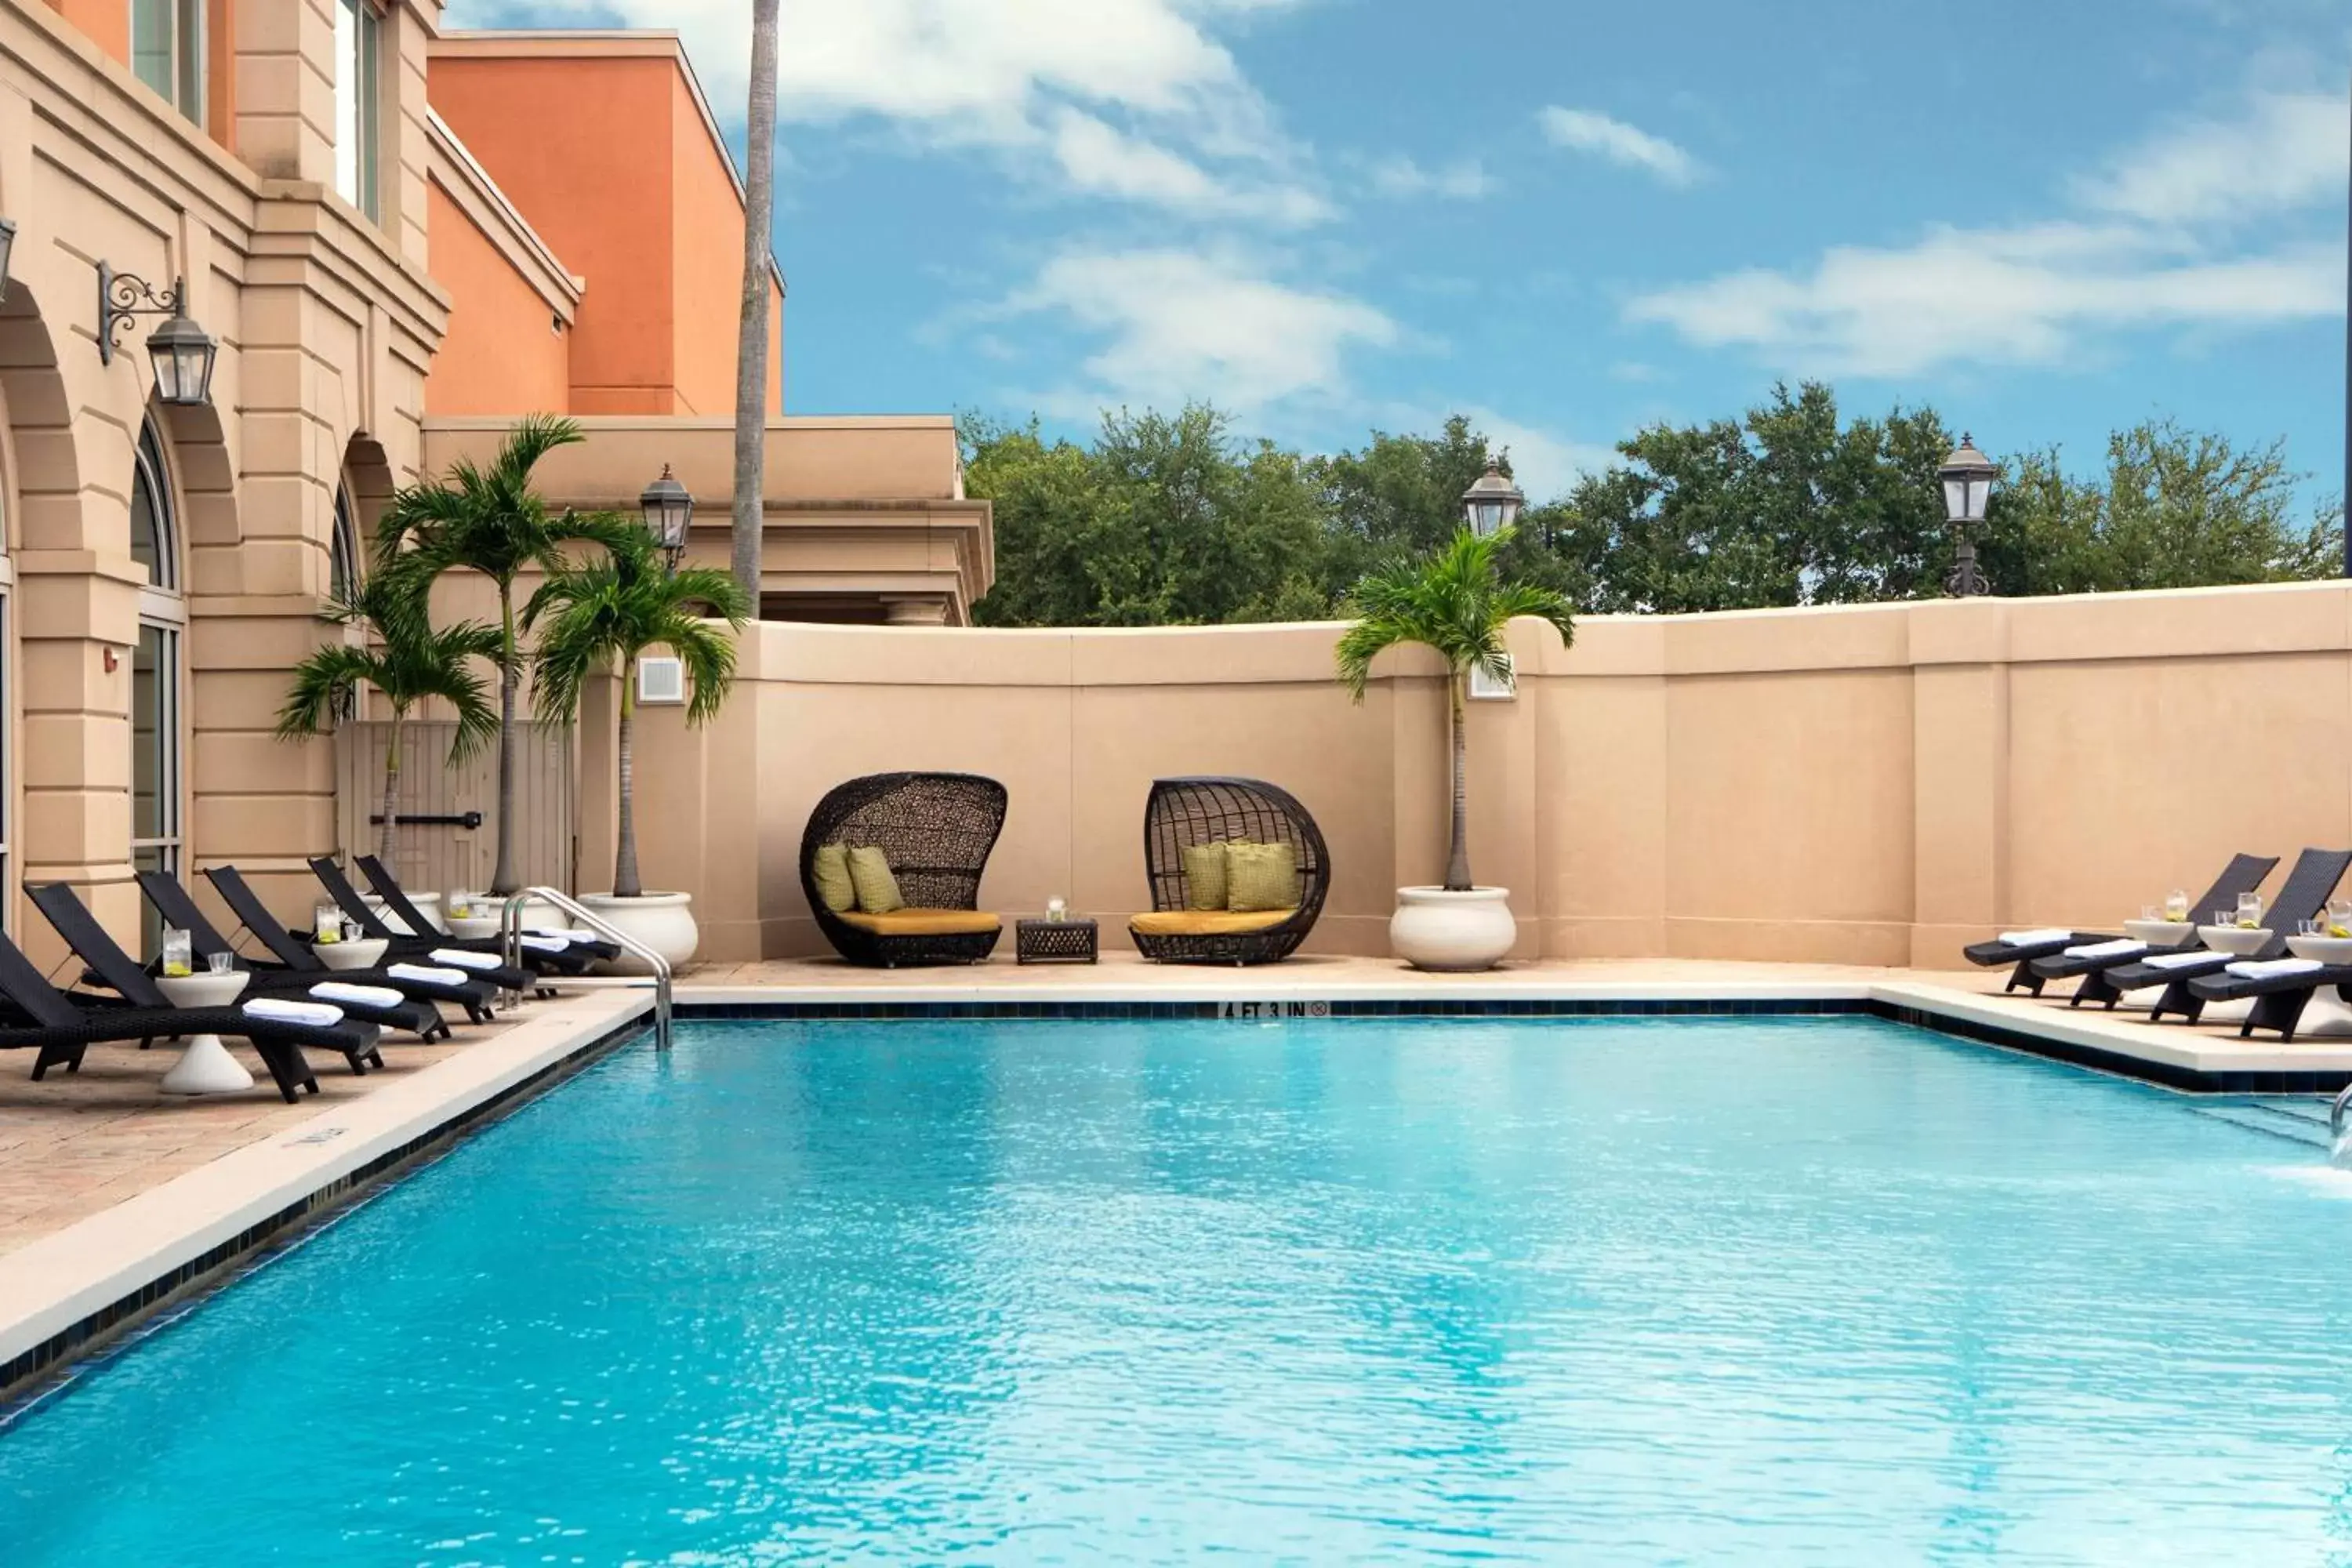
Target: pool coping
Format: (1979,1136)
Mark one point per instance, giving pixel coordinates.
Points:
(68,1295)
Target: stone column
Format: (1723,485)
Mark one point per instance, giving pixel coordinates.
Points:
(285,93)
(1960,651)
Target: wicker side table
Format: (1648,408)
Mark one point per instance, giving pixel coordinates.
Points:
(1054,942)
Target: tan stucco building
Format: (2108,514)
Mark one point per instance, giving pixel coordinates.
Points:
(399,241)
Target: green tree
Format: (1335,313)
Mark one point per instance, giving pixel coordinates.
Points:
(408,660)
(2174,509)
(489,520)
(608,613)
(1457,603)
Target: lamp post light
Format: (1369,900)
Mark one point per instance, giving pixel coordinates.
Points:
(7,243)
(1968,476)
(1493,504)
(670,514)
(183,351)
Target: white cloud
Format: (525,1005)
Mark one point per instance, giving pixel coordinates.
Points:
(1046,79)
(1402,179)
(2170,241)
(1588,130)
(1180,325)
(1547,466)
(2289,151)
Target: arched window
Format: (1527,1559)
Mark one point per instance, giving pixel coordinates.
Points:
(154,534)
(344,554)
(156,676)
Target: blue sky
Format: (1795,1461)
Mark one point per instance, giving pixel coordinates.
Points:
(2046,217)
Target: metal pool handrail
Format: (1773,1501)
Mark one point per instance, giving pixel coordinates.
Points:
(510,938)
(2335,1114)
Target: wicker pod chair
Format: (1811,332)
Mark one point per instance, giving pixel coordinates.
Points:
(1183,813)
(938,830)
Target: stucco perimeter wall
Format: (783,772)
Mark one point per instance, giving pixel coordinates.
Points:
(1877,785)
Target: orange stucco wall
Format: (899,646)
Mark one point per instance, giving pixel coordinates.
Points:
(503,355)
(610,161)
(107,23)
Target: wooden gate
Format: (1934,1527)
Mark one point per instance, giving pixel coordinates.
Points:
(448,816)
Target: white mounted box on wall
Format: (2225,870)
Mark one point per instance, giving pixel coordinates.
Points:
(661,680)
(1485,688)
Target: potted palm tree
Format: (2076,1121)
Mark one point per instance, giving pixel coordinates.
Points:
(489,520)
(604,614)
(408,660)
(1455,603)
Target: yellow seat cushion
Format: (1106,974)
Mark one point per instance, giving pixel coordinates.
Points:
(1206,922)
(925,923)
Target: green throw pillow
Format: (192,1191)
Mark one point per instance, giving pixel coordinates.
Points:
(878,890)
(830,873)
(1260,876)
(1204,876)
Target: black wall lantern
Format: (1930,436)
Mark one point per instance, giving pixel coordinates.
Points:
(1968,476)
(670,513)
(7,243)
(183,351)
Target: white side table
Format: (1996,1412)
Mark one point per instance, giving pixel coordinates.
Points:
(2159,934)
(364,953)
(474,928)
(205,1067)
(2325,1014)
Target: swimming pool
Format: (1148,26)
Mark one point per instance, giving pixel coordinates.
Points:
(1615,1291)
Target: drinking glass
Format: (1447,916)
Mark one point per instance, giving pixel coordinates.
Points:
(220,962)
(460,908)
(2148,912)
(327,924)
(2250,911)
(2225,916)
(179,953)
(1055,909)
(2175,905)
(2339,916)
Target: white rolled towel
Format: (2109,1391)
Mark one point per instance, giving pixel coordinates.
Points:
(543,944)
(568,933)
(431,976)
(359,995)
(2276,968)
(2203,957)
(2037,938)
(457,957)
(284,1010)
(2121,948)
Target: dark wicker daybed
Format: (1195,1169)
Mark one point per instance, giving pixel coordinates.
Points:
(1182,813)
(938,830)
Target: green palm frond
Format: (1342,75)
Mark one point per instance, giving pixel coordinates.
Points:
(324,685)
(407,659)
(1451,603)
(484,518)
(606,613)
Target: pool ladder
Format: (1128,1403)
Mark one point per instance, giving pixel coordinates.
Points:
(2337,1113)
(510,938)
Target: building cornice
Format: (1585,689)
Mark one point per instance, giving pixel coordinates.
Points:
(469,186)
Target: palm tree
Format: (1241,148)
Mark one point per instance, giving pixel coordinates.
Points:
(406,660)
(1455,603)
(752,339)
(610,612)
(489,520)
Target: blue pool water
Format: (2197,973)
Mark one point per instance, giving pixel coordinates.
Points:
(1823,1290)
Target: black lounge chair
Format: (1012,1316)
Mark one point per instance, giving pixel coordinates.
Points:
(938,831)
(408,947)
(293,958)
(2020,956)
(61,1026)
(280,977)
(2302,897)
(1182,814)
(582,949)
(2243,875)
(109,966)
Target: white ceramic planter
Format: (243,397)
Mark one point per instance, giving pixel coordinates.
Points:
(663,921)
(1452,932)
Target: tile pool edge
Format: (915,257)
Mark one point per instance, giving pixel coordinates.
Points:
(70,1294)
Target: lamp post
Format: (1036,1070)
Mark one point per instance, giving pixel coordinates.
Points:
(8,243)
(1493,502)
(670,514)
(183,351)
(1968,476)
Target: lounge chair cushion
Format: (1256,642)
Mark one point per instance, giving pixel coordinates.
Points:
(1205,875)
(1261,876)
(1207,922)
(830,871)
(878,888)
(904,921)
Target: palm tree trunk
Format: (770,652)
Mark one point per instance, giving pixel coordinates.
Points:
(1458,863)
(751,341)
(626,883)
(388,836)
(504,883)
